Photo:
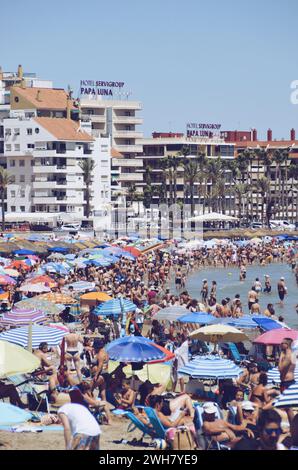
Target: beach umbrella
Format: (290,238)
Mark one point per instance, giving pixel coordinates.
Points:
(159,373)
(171,313)
(255,241)
(57,298)
(30,261)
(58,256)
(96,262)
(100,296)
(115,307)
(19,264)
(81,286)
(37,288)
(4,280)
(202,318)
(23,252)
(247,321)
(40,334)
(20,317)
(11,272)
(217,332)
(288,398)
(59,326)
(15,360)
(274,375)
(4,261)
(266,323)
(11,415)
(59,268)
(58,249)
(47,307)
(112,250)
(275,337)
(211,367)
(70,257)
(42,279)
(134,349)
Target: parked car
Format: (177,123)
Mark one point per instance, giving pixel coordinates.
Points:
(70,227)
(282,225)
(256,225)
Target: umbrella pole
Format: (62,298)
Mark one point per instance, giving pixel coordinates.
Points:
(29,344)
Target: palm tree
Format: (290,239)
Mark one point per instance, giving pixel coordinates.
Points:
(263,186)
(5,181)
(148,189)
(131,194)
(279,156)
(293,175)
(241,191)
(191,174)
(87,166)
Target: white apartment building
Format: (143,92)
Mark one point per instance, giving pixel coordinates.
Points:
(118,120)
(43,156)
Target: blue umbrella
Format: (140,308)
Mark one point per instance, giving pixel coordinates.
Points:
(134,349)
(202,318)
(115,307)
(266,323)
(97,262)
(40,334)
(24,252)
(10,415)
(288,398)
(58,249)
(211,367)
(81,286)
(274,375)
(247,321)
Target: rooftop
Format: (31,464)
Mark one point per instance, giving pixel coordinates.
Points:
(43,98)
(64,129)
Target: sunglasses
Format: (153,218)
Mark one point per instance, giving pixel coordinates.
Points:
(271,431)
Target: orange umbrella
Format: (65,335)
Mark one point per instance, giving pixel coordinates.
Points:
(18,264)
(43,279)
(100,296)
(169,355)
(4,296)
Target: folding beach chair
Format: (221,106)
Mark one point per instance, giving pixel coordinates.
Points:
(205,441)
(36,393)
(158,428)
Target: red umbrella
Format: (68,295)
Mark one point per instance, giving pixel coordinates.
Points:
(169,355)
(276,336)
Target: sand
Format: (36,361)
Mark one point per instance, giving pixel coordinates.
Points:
(54,440)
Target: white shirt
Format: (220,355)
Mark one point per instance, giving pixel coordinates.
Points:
(80,419)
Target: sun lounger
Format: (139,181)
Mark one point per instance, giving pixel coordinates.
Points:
(159,429)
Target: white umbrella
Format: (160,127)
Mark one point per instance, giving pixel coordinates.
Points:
(216,333)
(213,217)
(37,288)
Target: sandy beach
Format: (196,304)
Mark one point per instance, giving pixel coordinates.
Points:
(54,440)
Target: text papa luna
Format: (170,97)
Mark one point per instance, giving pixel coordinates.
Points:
(96,91)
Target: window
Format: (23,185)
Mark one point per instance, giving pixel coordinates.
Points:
(13,179)
(22,208)
(16,131)
(29,131)
(30,146)
(12,194)
(17,147)
(22,163)
(7,131)
(13,208)
(16,98)
(8,147)
(22,178)
(22,193)
(12,163)
(36,130)
(32,162)
(32,178)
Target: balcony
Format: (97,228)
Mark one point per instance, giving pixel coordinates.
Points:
(130,177)
(127,162)
(44,200)
(127,120)
(129,148)
(127,134)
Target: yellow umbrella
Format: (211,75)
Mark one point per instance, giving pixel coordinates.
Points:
(100,296)
(156,373)
(217,332)
(16,360)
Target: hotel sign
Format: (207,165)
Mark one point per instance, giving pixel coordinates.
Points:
(98,87)
(194,129)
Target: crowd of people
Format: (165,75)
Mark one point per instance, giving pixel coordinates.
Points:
(242,413)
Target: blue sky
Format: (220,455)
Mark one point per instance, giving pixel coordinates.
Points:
(221,61)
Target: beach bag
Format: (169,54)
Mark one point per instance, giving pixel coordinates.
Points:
(183,439)
(35,405)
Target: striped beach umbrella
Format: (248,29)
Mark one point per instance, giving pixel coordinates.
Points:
(47,307)
(81,286)
(20,317)
(288,398)
(115,307)
(211,367)
(5,280)
(40,334)
(171,313)
(274,375)
(37,288)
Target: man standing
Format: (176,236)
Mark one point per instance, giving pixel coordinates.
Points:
(282,289)
(81,430)
(286,364)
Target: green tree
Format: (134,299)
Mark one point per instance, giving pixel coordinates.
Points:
(5,181)
(87,166)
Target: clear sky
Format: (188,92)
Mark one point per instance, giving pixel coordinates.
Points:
(217,61)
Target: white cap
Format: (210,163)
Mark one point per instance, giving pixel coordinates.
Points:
(209,408)
(247,406)
(282,278)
